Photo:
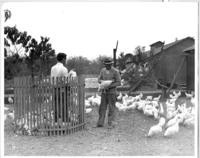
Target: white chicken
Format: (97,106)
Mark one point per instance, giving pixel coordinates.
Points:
(148,112)
(10,100)
(193,101)
(149,97)
(155,113)
(96,101)
(188,95)
(172,130)
(155,103)
(156,129)
(172,121)
(157,98)
(88,110)
(189,122)
(90,99)
(5,117)
(173,96)
(120,106)
(177,94)
(87,103)
(140,105)
(125,97)
(11,115)
(6,109)
(138,97)
(120,96)
(171,114)
(133,105)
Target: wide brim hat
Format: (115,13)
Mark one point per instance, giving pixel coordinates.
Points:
(108,61)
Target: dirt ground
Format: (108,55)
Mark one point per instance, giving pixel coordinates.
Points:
(127,139)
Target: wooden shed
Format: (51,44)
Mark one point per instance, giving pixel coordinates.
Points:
(175,65)
(190,67)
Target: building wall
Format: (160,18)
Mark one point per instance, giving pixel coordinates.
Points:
(170,61)
(190,71)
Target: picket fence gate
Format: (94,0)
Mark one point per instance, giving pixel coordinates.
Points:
(45,106)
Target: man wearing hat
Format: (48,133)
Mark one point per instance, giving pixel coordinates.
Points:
(108,95)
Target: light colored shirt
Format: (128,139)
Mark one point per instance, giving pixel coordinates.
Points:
(59,70)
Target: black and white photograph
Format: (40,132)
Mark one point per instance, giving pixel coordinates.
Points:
(99,78)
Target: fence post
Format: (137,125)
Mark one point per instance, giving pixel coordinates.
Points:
(81,83)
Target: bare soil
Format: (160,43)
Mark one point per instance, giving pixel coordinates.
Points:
(126,139)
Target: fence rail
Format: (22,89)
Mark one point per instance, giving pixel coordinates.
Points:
(49,107)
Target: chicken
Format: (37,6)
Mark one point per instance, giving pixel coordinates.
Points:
(138,97)
(132,105)
(155,103)
(96,101)
(88,110)
(173,96)
(189,121)
(5,117)
(120,96)
(192,101)
(87,103)
(172,130)
(149,97)
(157,98)
(121,107)
(11,115)
(172,121)
(177,94)
(162,121)
(6,109)
(90,99)
(140,105)
(156,129)
(10,100)
(188,95)
(124,97)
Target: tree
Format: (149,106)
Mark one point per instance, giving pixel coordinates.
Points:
(80,64)
(22,44)
(41,51)
(139,52)
(121,61)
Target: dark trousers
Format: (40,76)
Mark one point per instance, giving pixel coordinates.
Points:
(108,100)
(61,99)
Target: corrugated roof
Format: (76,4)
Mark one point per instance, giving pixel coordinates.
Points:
(157,50)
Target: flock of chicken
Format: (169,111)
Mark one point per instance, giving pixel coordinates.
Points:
(169,118)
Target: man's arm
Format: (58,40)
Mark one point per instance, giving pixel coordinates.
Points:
(117,80)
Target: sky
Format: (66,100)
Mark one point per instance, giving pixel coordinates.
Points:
(90,29)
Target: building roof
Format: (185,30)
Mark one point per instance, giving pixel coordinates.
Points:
(158,50)
(156,43)
(189,49)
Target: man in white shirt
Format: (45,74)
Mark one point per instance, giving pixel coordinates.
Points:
(59,70)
